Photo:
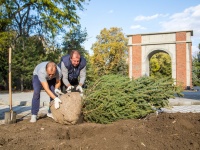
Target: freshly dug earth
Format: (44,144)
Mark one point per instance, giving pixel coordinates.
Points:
(178,131)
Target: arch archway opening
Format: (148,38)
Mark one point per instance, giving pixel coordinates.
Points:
(160,64)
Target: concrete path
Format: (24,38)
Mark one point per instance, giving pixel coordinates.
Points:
(23,98)
(21,103)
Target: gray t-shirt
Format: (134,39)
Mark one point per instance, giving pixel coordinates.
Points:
(40,71)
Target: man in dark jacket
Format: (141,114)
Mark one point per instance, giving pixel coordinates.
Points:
(73,68)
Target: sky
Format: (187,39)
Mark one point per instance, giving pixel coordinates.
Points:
(142,16)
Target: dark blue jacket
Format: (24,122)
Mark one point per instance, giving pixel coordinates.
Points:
(73,72)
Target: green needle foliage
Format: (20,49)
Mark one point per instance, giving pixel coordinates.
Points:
(115,97)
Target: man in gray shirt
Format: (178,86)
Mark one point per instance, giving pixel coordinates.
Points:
(73,68)
(46,75)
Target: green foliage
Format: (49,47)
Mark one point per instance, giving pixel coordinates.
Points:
(110,53)
(115,97)
(196,70)
(6,39)
(3,66)
(74,39)
(27,54)
(160,65)
(40,16)
(52,52)
(90,77)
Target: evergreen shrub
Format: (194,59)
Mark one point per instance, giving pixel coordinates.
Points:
(114,97)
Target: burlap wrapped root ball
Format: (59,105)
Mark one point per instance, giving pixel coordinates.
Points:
(70,111)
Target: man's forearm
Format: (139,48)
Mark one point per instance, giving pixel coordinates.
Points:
(82,76)
(57,85)
(66,82)
(48,91)
(65,74)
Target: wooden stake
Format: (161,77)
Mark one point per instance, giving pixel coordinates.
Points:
(10,117)
(10,80)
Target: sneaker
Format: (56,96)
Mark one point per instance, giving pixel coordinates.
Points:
(33,118)
(50,115)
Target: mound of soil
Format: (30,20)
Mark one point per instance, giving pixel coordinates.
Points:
(166,131)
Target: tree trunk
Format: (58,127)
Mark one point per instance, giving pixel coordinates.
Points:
(22,83)
(22,78)
(6,82)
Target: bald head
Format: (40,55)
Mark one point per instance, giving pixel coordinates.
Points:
(51,69)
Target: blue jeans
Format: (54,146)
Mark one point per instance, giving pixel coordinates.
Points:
(37,87)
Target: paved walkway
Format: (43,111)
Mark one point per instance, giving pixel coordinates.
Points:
(21,103)
(23,98)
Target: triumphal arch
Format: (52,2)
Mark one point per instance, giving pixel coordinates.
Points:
(177,44)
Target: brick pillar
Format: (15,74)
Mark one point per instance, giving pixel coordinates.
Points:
(136,57)
(181,58)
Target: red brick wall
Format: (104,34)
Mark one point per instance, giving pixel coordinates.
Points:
(181,36)
(181,59)
(136,63)
(136,39)
(136,57)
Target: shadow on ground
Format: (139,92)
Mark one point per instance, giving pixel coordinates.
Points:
(195,95)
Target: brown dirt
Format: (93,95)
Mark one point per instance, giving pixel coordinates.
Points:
(176,131)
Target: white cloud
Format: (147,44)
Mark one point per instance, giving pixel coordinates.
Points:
(147,18)
(186,20)
(138,27)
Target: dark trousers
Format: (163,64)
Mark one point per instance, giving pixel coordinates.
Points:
(37,87)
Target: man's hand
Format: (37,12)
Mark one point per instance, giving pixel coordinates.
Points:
(58,92)
(69,89)
(79,88)
(57,102)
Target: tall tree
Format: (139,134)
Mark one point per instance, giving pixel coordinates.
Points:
(110,52)
(5,41)
(74,39)
(36,16)
(27,54)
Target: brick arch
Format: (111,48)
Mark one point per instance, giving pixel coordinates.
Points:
(177,44)
(154,51)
